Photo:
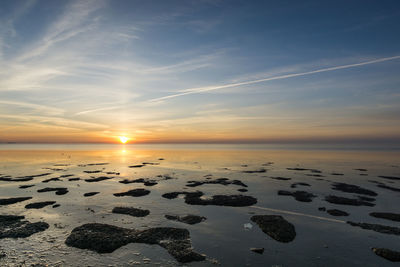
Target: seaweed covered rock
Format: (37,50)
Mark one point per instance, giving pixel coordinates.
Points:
(348,201)
(276,227)
(133,193)
(13,200)
(39,205)
(104,238)
(386,215)
(384,229)
(12,226)
(301,196)
(188,219)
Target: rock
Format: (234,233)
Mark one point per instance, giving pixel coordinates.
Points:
(301,196)
(189,219)
(89,194)
(104,238)
(386,215)
(242,190)
(133,193)
(97,164)
(131,211)
(388,254)
(223,200)
(58,190)
(173,195)
(150,163)
(336,173)
(322,208)
(361,170)
(335,212)
(257,250)
(12,200)
(347,201)
(146,182)
(26,186)
(97,171)
(39,205)
(74,179)
(294,185)
(281,178)
(377,228)
(349,188)
(98,179)
(56,206)
(389,177)
(51,179)
(276,227)
(12,226)
(382,185)
(137,166)
(222,181)
(262,170)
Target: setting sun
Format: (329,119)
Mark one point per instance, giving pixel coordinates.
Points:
(123,139)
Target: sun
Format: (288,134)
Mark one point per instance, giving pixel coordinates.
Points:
(123,139)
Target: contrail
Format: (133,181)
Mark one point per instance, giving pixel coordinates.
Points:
(299,214)
(281,77)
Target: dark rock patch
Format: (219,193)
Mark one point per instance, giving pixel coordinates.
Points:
(337,174)
(137,166)
(389,177)
(281,178)
(335,212)
(315,175)
(388,254)
(104,238)
(133,193)
(51,179)
(276,227)
(98,179)
(14,227)
(56,206)
(145,182)
(262,170)
(222,200)
(377,228)
(301,196)
(12,200)
(242,190)
(257,250)
(66,175)
(26,186)
(386,215)
(173,195)
(58,190)
(361,170)
(8,178)
(161,159)
(391,188)
(222,181)
(97,164)
(89,194)
(322,209)
(151,163)
(294,185)
(267,164)
(369,199)
(131,211)
(39,205)
(74,179)
(115,173)
(55,169)
(188,219)
(96,171)
(349,188)
(347,201)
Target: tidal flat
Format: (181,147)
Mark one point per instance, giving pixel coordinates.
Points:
(198,205)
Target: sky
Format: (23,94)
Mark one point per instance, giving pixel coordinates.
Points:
(202,71)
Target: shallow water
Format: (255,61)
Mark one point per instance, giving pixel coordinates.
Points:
(321,240)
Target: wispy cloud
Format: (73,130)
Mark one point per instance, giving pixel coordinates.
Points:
(280,77)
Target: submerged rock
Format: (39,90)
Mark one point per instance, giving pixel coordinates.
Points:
(262,170)
(146,182)
(131,211)
(257,250)
(294,185)
(388,254)
(348,201)
(349,188)
(222,181)
(58,190)
(189,219)
(12,200)
(26,186)
(276,227)
(89,194)
(12,226)
(335,212)
(104,238)
(39,205)
(223,200)
(281,178)
(386,215)
(74,179)
(301,196)
(133,193)
(377,228)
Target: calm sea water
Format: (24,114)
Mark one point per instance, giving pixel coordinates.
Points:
(321,240)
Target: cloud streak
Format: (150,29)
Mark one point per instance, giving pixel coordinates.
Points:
(280,77)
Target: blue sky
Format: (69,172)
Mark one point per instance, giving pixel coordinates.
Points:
(182,71)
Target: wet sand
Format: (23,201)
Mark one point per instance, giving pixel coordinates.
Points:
(201,206)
